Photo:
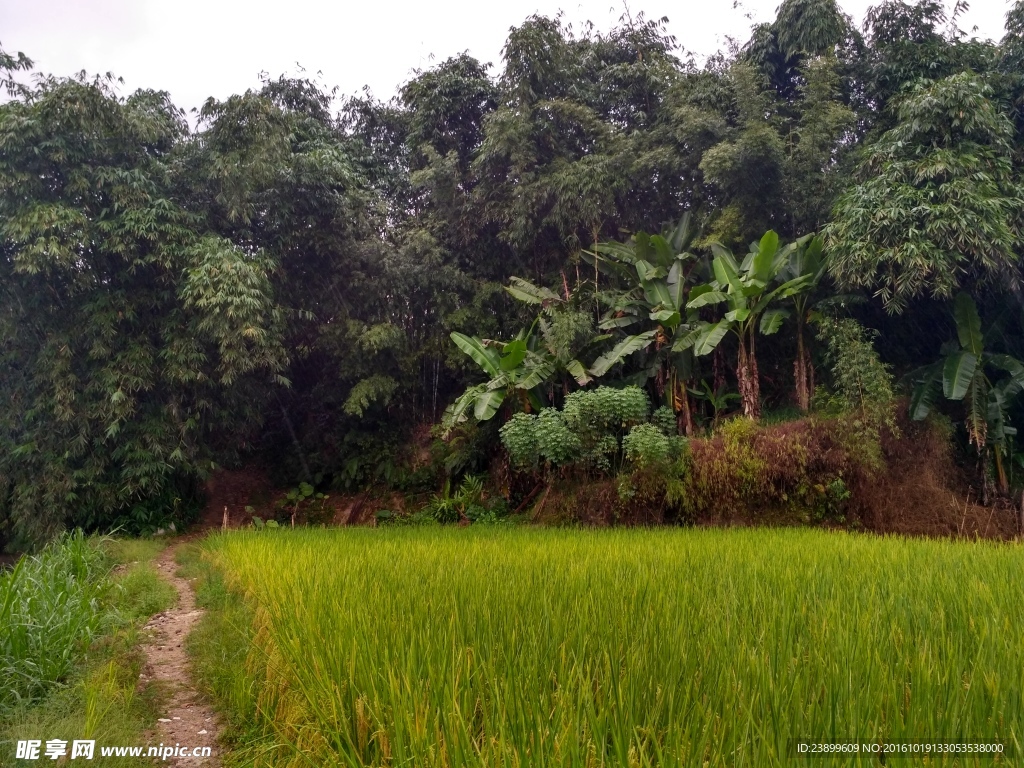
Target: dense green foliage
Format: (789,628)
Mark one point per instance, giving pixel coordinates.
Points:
(941,205)
(282,283)
(73,662)
(55,604)
(607,648)
(50,611)
(962,375)
(595,431)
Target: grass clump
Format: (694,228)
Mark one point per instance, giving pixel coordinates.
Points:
(49,611)
(73,650)
(514,646)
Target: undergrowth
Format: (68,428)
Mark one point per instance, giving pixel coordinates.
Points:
(71,650)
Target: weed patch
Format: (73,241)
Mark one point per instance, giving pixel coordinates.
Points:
(74,651)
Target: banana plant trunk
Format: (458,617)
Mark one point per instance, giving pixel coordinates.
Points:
(684,417)
(802,371)
(747,376)
(1004,485)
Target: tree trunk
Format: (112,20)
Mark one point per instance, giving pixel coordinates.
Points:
(684,420)
(298,446)
(984,479)
(717,369)
(755,379)
(801,374)
(746,373)
(1004,486)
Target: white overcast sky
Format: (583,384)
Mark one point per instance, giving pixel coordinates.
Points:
(200,48)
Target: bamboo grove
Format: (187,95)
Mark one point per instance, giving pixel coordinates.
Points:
(301,280)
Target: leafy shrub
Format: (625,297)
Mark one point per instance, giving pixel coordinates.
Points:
(665,420)
(466,503)
(176,502)
(369,459)
(805,466)
(306,499)
(646,445)
(587,433)
(519,436)
(556,442)
(862,384)
(607,408)
(492,513)
(568,332)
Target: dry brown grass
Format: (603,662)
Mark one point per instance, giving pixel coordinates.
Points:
(782,474)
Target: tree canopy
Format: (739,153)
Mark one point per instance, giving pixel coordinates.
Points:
(279,277)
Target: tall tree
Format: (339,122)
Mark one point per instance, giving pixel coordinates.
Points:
(124,320)
(938,205)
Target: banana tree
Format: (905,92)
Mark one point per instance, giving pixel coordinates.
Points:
(718,399)
(647,304)
(744,288)
(513,367)
(805,259)
(520,367)
(961,376)
(551,303)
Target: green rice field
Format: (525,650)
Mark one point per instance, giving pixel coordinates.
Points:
(544,647)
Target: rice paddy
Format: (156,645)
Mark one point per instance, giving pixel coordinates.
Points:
(541,647)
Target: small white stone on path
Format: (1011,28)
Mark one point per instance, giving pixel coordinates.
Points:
(202,732)
(163,720)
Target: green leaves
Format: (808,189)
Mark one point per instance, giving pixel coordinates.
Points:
(726,271)
(488,403)
(957,374)
(620,351)
(968,324)
(134,326)
(668,317)
(963,377)
(761,266)
(486,357)
(939,198)
(579,372)
(922,397)
(706,299)
(513,355)
(373,389)
(710,337)
(772,320)
(524,290)
(746,288)
(650,274)
(232,299)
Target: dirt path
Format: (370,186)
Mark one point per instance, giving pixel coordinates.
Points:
(186,720)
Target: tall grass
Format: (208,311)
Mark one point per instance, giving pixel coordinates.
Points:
(49,612)
(99,695)
(429,647)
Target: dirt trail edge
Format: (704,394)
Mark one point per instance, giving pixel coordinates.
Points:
(187,719)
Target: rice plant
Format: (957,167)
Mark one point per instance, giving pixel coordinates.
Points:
(524,647)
